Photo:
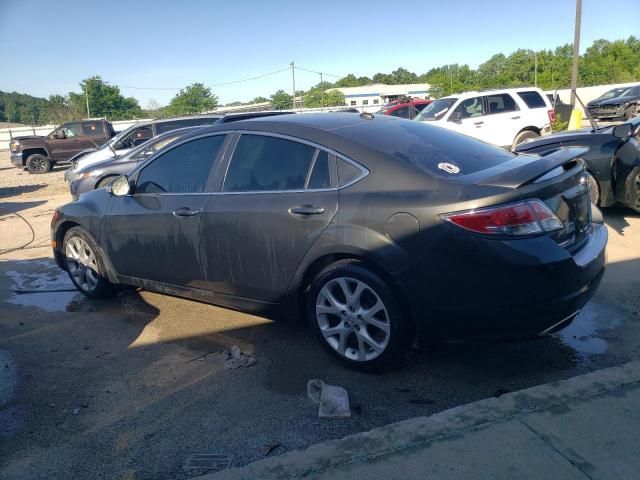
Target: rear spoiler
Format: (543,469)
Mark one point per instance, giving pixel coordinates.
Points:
(528,168)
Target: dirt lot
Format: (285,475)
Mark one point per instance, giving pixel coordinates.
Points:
(131,387)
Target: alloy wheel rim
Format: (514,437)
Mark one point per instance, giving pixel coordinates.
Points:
(594,193)
(82,264)
(38,164)
(353,319)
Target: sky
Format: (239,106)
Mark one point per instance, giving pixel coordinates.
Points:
(49,47)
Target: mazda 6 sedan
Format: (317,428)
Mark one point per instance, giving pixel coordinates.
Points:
(375,228)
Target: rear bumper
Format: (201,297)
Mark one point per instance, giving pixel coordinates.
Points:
(16,159)
(471,286)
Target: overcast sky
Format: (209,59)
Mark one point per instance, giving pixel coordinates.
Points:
(48,47)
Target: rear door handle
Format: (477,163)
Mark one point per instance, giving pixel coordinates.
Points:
(185,212)
(306,210)
(515,118)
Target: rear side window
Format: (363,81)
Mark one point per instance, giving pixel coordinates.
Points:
(426,147)
(93,129)
(533,99)
(183,169)
(501,103)
(320,176)
(263,164)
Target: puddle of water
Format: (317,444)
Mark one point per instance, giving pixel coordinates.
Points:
(582,334)
(48,277)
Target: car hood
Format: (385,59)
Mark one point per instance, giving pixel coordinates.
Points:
(98,165)
(617,101)
(25,138)
(95,157)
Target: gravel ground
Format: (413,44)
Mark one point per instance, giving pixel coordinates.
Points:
(14,181)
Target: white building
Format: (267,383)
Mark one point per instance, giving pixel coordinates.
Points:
(379,93)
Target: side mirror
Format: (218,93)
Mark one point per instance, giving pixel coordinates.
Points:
(624,130)
(59,135)
(455,117)
(120,186)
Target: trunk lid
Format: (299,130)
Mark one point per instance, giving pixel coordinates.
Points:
(558,179)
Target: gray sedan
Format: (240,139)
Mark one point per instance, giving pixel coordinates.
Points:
(374,228)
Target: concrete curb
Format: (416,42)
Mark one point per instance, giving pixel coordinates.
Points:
(421,431)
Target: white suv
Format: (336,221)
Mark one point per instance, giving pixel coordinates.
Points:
(503,117)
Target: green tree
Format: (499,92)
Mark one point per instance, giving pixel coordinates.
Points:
(195,98)
(281,100)
(259,100)
(323,95)
(104,100)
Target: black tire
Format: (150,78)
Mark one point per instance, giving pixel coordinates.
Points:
(523,137)
(93,284)
(105,181)
(594,189)
(38,163)
(392,317)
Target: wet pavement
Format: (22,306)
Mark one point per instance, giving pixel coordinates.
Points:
(133,387)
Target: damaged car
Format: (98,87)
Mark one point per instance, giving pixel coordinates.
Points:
(376,229)
(612,161)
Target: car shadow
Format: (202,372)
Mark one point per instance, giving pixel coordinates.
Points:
(19,190)
(616,218)
(143,369)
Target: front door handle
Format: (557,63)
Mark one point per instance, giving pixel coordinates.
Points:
(185,212)
(306,210)
(478,123)
(515,118)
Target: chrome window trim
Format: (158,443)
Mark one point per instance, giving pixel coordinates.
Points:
(364,170)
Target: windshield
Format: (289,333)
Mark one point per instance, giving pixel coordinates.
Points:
(631,92)
(436,109)
(611,93)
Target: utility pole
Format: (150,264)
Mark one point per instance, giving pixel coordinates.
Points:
(322,92)
(576,53)
(451,80)
(535,69)
(86,95)
(293,79)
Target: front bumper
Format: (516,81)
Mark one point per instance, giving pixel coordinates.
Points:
(608,111)
(16,159)
(471,286)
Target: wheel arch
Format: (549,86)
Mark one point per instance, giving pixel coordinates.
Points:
(26,153)
(303,285)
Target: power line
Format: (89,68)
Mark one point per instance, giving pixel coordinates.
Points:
(318,73)
(257,77)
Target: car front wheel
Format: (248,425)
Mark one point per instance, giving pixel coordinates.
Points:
(523,137)
(38,163)
(356,316)
(85,265)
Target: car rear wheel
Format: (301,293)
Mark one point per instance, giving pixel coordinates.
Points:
(38,163)
(523,137)
(85,265)
(629,113)
(356,316)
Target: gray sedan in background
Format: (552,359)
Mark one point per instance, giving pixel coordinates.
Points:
(374,228)
(99,175)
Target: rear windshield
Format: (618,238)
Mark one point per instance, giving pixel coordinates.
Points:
(533,99)
(431,149)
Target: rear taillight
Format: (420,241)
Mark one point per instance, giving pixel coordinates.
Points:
(552,115)
(531,217)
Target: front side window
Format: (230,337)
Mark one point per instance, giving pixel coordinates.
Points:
(70,129)
(135,138)
(469,108)
(501,103)
(533,99)
(183,169)
(436,110)
(263,164)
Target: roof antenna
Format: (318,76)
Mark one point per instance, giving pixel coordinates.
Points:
(367,116)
